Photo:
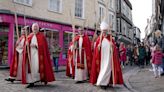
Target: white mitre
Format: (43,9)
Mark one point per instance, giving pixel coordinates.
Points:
(104,26)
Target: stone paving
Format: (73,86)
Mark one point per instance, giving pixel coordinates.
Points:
(63,84)
(144,81)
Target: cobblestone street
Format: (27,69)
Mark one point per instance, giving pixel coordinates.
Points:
(62,84)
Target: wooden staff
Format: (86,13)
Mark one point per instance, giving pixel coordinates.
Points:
(94,36)
(26,27)
(73,28)
(112,50)
(16,22)
(107,4)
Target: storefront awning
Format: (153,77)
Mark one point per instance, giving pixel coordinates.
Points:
(124,39)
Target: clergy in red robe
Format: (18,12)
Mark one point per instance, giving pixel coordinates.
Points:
(82,56)
(105,65)
(70,67)
(37,66)
(16,65)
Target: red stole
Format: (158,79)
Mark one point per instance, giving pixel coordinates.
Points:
(15,59)
(70,60)
(45,65)
(86,47)
(96,64)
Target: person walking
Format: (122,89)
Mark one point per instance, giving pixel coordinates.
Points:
(142,55)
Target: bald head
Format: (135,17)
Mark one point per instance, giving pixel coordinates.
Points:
(35,28)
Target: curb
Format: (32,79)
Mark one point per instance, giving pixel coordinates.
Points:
(4,67)
(127,76)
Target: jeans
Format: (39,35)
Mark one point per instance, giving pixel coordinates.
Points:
(55,59)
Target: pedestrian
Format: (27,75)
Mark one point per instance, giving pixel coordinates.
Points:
(152,49)
(157,61)
(106,68)
(56,53)
(129,54)
(135,55)
(16,65)
(122,51)
(37,67)
(148,55)
(142,55)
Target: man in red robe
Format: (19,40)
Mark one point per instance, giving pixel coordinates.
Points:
(105,65)
(70,67)
(82,56)
(16,65)
(37,66)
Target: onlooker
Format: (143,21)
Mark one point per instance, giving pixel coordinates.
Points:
(135,55)
(129,54)
(157,61)
(56,52)
(142,55)
(122,51)
(148,55)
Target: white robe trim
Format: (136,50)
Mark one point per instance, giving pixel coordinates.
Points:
(81,74)
(19,49)
(106,67)
(34,64)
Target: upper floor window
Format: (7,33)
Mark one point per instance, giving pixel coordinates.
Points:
(79,8)
(25,2)
(111,4)
(55,5)
(101,12)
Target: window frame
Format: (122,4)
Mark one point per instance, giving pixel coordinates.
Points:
(60,7)
(18,2)
(83,10)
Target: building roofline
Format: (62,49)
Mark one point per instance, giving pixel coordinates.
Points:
(128,3)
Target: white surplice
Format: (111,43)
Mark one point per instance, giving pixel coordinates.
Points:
(106,67)
(81,74)
(19,49)
(34,62)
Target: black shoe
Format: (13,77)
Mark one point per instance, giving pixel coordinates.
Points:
(30,85)
(45,83)
(103,87)
(79,82)
(9,79)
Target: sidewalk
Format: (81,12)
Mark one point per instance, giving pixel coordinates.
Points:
(144,81)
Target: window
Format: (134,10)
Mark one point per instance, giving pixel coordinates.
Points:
(111,4)
(101,12)
(79,8)
(25,2)
(55,5)
(111,20)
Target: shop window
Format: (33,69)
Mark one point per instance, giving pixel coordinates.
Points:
(52,39)
(3,44)
(67,40)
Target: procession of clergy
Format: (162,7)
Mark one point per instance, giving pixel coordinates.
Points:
(96,62)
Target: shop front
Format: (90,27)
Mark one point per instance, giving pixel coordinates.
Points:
(61,34)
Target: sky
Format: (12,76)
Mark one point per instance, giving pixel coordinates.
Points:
(142,9)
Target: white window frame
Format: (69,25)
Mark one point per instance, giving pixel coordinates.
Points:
(53,10)
(30,4)
(102,12)
(111,4)
(83,10)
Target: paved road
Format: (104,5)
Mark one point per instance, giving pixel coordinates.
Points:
(63,84)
